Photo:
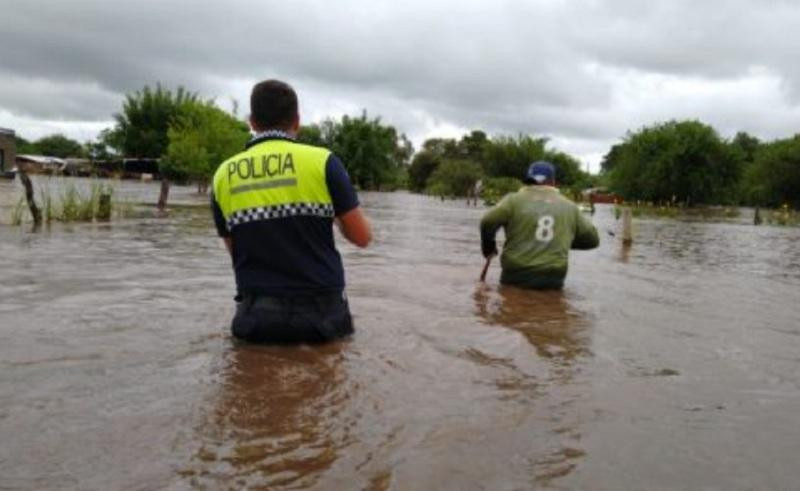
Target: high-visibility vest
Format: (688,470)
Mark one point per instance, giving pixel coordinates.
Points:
(275,178)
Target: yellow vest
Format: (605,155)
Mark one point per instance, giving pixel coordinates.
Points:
(273,179)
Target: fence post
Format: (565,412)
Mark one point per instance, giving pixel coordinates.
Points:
(627,226)
(104,207)
(29,196)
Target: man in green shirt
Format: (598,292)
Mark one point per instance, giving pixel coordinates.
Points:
(541,226)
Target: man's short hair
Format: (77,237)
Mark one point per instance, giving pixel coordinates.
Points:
(273,105)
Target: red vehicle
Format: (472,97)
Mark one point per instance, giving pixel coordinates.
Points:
(601,195)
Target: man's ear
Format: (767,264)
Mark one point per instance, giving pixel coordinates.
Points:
(253,124)
(296,123)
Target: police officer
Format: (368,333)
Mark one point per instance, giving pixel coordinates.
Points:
(541,226)
(274,205)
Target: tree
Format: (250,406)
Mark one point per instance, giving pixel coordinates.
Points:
(454,178)
(568,169)
(745,145)
(510,157)
(473,145)
(201,137)
(442,147)
(371,151)
(59,146)
(311,135)
(24,146)
(427,160)
(611,158)
(100,149)
(422,166)
(141,127)
(774,178)
(375,155)
(685,161)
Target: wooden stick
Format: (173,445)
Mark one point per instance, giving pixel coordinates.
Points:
(627,226)
(485,268)
(26,182)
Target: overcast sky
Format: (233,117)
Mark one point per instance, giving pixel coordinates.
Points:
(581,72)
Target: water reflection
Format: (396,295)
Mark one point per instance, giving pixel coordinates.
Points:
(558,333)
(275,422)
(624,253)
(544,317)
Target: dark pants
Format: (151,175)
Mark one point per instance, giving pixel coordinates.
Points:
(292,319)
(533,282)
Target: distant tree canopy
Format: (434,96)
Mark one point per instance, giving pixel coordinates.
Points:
(200,137)
(59,146)
(24,146)
(454,177)
(56,145)
(502,160)
(422,166)
(142,126)
(510,156)
(374,154)
(774,177)
(745,146)
(683,161)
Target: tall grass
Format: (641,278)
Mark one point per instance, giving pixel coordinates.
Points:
(18,211)
(72,204)
(673,210)
(784,216)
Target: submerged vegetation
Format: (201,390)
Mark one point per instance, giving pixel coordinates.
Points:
(494,188)
(71,204)
(683,163)
(783,216)
(674,210)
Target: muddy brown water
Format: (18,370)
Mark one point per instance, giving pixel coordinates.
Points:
(674,364)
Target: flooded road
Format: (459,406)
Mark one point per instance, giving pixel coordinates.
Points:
(674,364)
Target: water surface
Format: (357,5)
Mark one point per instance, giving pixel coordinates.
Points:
(673,364)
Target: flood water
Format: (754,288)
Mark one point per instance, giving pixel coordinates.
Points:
(674,364)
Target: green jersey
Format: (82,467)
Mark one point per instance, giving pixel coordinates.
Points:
(541,226)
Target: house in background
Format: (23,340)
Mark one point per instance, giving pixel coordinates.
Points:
(41,164)
(8,150)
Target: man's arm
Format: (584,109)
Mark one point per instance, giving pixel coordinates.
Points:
(221,225)
(586,236)
(349,218)
(491,222)
(355,227)
(228,241)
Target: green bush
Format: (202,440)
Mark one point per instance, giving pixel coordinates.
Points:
(494,188)
(454,178)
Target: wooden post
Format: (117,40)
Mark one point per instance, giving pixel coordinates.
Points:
(627,226)
(162,197)
(757,217)
(104,207)
(29,196)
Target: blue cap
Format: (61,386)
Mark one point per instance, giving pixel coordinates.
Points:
(540,172)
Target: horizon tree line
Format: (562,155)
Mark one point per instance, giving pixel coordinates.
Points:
(683,162)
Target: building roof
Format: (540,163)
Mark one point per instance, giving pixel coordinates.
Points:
(6,131)
(42,159)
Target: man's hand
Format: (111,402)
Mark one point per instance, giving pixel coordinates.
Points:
(489,249)
(355,227)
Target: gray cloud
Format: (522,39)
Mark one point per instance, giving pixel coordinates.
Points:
(578,71)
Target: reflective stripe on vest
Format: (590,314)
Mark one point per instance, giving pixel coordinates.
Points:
(273,179)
